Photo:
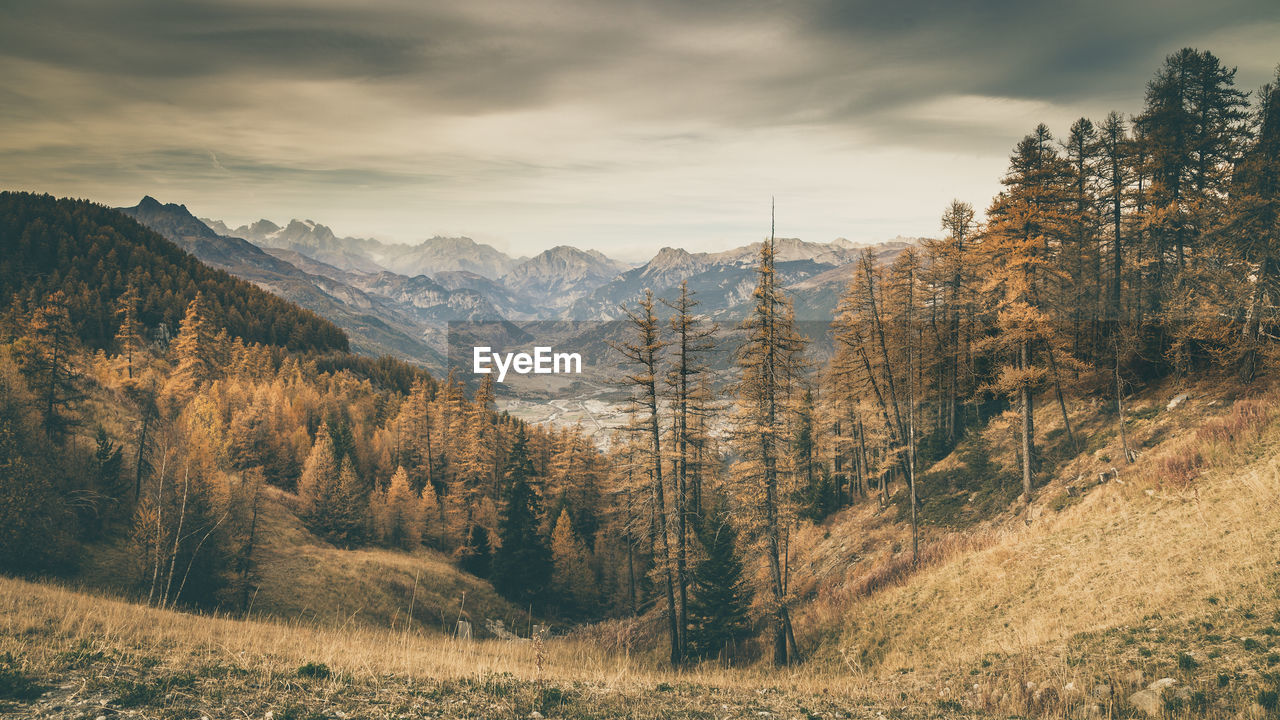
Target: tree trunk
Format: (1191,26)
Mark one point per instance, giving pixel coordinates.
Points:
(1028,432)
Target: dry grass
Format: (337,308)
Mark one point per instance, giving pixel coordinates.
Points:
(1187,535)
(300,577)
(110,654)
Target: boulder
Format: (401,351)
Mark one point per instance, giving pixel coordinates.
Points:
(1178,400)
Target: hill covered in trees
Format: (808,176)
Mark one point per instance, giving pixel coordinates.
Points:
(93,255)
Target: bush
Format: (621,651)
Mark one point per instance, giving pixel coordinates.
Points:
(315,671)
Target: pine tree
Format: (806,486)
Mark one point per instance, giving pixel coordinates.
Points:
(34,527)
(1253,225)
(108,478)
(478,558)
(522,565)
(718,613)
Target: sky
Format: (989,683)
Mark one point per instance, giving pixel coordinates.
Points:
(618,125)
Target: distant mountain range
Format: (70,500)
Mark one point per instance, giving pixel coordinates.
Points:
(398,299)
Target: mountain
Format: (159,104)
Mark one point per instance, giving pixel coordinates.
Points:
(562,274)
(92,253)
(308,238)
(430,257)
(374,325)
(444,254)
(814,274)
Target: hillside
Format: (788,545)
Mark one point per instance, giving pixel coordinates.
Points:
(1127,574)
(376,325)
(93,254)
(300,578)
(1113,586)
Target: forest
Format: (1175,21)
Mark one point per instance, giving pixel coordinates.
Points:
(147,400)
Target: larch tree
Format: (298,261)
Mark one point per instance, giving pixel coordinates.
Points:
(571,577)
(769,361)
(1027,223)
(130,331)
(46,354)
(197,350)
(691,339)
(642,354)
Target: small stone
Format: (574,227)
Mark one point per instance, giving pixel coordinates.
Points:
(1177,401)
(535,715)
(1101,692)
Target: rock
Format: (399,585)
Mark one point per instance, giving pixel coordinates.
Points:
(1135,677)
(1101,692)
(1159,685)
(1088,711)
(535,715)
(1147,702)
(1178,400)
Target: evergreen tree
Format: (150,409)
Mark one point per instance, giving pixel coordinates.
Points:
(477,557)
(33,517)
(1254,219)
(522,565)
(718,613)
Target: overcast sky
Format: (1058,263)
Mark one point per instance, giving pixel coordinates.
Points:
(618,125)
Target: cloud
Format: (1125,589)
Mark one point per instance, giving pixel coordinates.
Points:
(622,125)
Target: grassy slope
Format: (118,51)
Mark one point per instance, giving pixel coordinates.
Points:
(303,578)
(67,654)
(1106,582)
